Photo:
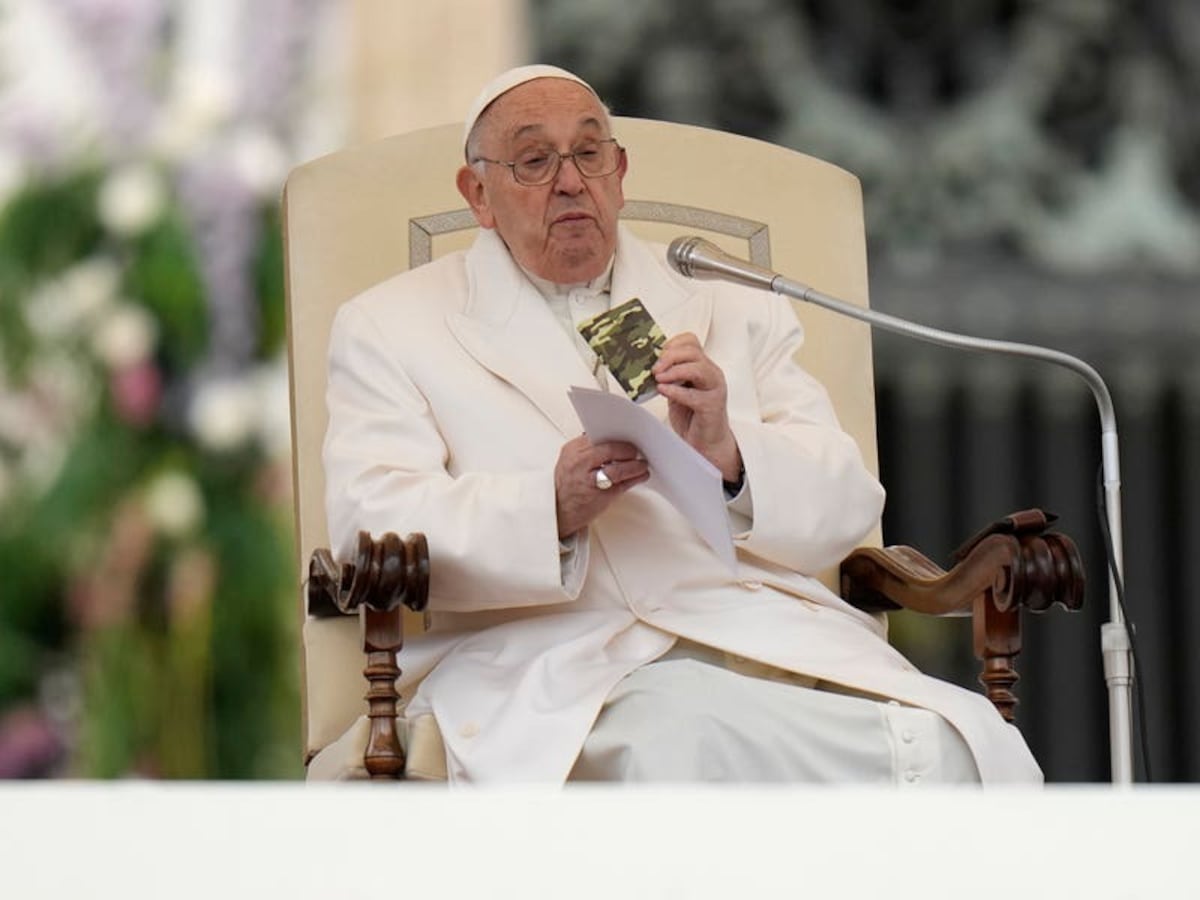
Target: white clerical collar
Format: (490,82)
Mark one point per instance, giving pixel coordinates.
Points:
(552,291)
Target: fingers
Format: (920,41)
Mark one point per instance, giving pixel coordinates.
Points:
(611,451)
(582,455)
(680,341)
(682,348)
(621,463)
(683,362)
(697,385)
(697,398)
(690,374)
(623,474)
(580,497)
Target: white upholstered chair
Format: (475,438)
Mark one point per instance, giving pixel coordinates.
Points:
(360,215)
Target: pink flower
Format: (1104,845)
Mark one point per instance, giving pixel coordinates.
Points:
(29,745)
(136,393)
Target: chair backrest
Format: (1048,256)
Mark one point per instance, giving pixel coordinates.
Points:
(356,217)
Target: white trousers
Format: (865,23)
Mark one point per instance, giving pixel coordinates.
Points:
(685,720)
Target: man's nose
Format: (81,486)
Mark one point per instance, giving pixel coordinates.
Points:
(568,179)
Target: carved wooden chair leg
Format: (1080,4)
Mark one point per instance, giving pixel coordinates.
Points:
(997,642)
(387,575)
(383,636)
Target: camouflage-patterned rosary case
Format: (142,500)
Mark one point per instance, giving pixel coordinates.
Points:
(628,341)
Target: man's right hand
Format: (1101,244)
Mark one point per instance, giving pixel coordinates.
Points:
(578,498)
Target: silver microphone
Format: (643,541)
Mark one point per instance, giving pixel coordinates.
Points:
(695,257)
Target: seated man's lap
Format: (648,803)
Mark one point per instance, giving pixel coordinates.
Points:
(686,720)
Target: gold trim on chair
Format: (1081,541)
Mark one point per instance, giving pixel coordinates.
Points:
(756,234)
(422,231)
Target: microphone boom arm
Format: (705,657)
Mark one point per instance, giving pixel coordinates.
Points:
(698,258)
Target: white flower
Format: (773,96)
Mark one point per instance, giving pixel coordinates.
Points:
(38,420)
(39,465)
(17,415)
(55,394)
(48,311)
(223,414)
(173,502)
(51,85)
(93,282)
(274,414)
(125,336)
(132,198)
(28,432)
(64,306)
(63,387)
(259,160)
(202,99)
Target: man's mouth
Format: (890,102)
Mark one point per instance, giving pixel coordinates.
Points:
(568,218)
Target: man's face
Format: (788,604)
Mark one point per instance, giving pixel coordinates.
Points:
(564,231)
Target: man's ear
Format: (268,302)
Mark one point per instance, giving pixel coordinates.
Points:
(471,186)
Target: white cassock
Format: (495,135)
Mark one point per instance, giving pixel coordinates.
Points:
(447,410)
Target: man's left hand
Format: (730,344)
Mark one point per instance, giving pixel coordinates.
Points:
(694,386)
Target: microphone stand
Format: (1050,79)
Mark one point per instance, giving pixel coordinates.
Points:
(698,258)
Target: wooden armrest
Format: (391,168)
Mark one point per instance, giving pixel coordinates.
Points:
(1011,564)
(386,576)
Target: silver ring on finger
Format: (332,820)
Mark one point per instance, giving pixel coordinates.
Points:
(603,482)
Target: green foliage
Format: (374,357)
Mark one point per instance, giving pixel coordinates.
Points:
(162,274)
(178,632)
(102,463)
(24,641)
(51,224)
(254,621)
(268,273)
(43,228)
(121,669)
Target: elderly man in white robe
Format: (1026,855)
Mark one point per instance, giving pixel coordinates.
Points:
(581,629)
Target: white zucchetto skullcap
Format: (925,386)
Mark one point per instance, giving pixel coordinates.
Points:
(506,81)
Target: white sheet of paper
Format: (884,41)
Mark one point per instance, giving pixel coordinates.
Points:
(677,471)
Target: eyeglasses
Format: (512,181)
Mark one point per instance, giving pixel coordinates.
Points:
(594,159)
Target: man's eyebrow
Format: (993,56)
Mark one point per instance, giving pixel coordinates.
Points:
(523,130)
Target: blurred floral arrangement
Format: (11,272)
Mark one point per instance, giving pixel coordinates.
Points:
(147,623)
